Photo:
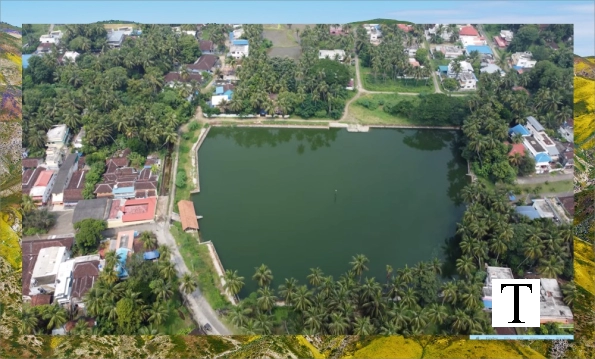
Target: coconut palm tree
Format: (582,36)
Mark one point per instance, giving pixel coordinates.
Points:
(363,326)
(263,324)
(315,277)
(287,291)
(338,324)
(55,315)
(148,239)
(158,313)
(164,252)
(233,282)
(358,265)
(188,284)
(239,314)
(263,275)
(80,328)
(28,320)
(266,299)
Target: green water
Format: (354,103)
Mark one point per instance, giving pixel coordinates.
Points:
(296,199)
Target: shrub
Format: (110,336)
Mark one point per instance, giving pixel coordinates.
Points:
(193,126)
(181,179)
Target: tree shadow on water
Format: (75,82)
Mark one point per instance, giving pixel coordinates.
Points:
(429,140)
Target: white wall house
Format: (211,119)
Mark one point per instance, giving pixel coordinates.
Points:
(332,54)
(467,81)
(46,268)
(450,52)
(506,35)
(71,55)
(466,67)
(78,140)
(51,38)
(522,59)
(41,191)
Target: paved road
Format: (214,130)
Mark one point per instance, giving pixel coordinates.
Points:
(197,304)
(545,178)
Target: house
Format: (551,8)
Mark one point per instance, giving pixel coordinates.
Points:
(436,29)
(332,54)
(188,216)
(41,190)
(468,31)
(493,273)
(63,179)
(75,277)
(139,210)
(404,27)
(466,67)
(239,49)
(71,55)
(411,50)
(500,42)
(151,255)
(41,299)
(29,178)
(116,38)
(336,30)
(97,208)
(57,139)
(538,133)
(31,163)
(519,130)
(74,192)
(205,63)
(173,79)
(206,47)
(567,130)
(51,38)
(522,60)
(373,30)
(450,52)
(467,81)
(482,50)
(45,48)
(218,99)
(78,140)
(506,35)
(568,159)
(491,69)
(30,253)
(540,209)
(46,268)
(517,148)
(413,62)
(553,309)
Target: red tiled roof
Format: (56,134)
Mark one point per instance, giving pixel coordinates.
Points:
(82,162)
(570,122)
(500,41)
(204,63)
(187,215)
(115,207)
(73,195)
(517,148)
(468,31)
(141,186)
(103,188)
(77,181)
(111,167)
(120,161)
(31,251)
(139,209)
(29,178)
(404,27)
(84,275)
(44,178)
(31,162)
(41,299)
(206,45)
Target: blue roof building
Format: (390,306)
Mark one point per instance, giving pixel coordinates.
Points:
(124,192)
(542,158)
(148,256)
(219,90)
(240,42)
(519,129)
(487,303)
(443,69)
(486,50)
(122,255)
(528,211)
(228,93)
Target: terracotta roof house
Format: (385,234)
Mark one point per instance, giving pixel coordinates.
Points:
(74,191)
(84,275)
(172,77)
(517,148)
(188,216)
(29,178)
(336,30)
(139,209)
(119,161)
(41,299)
(31,162)
(406,28)
(468,31)
(30,250)
(206,46)
(205,63)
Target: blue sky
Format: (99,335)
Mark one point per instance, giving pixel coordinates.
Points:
(580,13)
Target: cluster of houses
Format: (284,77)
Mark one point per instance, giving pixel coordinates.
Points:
(52,275)
(551,305)
(542,148)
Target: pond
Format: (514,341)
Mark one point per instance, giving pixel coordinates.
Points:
(296,199)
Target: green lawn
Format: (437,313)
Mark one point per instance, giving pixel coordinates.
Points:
(377,116)
(185,165)
(551,187)
(399,85)
(199,262)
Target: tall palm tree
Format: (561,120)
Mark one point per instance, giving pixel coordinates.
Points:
(287,291)
(266,299)
(158,313)
(148,239)
(338,324)
(263,324)
(233,282)
(188,284)
(263,275)
(358,265)
(315,277)
(363,326)
(55,315)
(28,320)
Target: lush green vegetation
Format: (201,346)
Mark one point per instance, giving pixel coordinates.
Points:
(386,67)
(309,88)
(414,300)
(147,302)
(88,235)
(36,220)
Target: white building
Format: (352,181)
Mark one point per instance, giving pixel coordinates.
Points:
(218,99)
(332,54)
(466,67)
(506,35)
(492,68)
(538,133)
(373,30)
(64,278)
(46,269)
(472,41)
(239,49)
(78,140)
(71,55)
(444,34)
(57,136)
(51,38)
(467,81)
(523,60)
(450,52)
(42,189)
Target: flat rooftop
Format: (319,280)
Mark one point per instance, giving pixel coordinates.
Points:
(495,273)
(536,146)
(552,306)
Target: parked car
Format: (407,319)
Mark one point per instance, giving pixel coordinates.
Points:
(207,326)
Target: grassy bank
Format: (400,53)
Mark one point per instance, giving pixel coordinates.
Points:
(550,187)
(199,262)
(377,116)
(187,140)
(398,85)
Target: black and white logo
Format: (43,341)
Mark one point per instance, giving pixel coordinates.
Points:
(515,303)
